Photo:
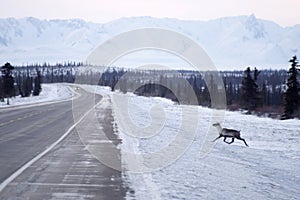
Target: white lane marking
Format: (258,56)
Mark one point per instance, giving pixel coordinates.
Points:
(101,141)
(29,163)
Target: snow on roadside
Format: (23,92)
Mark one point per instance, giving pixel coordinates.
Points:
(50,92)
(268,169)
(143,185)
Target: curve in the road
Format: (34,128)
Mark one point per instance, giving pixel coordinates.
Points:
(30,133)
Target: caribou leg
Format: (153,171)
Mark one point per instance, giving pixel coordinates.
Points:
(217,138)
(232,140)
(243,141)
(225,139)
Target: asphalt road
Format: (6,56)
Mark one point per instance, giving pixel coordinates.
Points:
(26,132)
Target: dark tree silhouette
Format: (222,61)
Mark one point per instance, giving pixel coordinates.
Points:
(8,81)
(250,93)
(229,93)
(269,83)
(291,96)
(1,90)
(257,99)
(26,86)
(37,83)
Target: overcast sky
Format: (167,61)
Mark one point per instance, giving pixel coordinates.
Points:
(283,12)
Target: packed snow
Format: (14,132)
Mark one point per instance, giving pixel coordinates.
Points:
(50,92)
(267,169)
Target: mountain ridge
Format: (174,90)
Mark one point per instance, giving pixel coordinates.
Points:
(236,41)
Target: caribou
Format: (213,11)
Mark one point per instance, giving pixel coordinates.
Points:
(228,133)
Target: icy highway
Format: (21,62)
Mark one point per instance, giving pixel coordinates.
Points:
(42,156)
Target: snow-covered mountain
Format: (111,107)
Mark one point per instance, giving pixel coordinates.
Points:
(231,42)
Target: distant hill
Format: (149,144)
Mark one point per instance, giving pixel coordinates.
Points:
(232,42)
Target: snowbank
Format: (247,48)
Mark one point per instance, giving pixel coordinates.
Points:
(267,169)
(50,92)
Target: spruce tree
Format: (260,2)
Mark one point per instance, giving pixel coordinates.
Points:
(8,81)
(291,96)
(1,90)
(249,93)
(229,94)
(264,95)
(257,99)
(37,83)
(26,86)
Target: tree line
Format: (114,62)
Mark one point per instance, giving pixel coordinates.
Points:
(256,91)
(19,83)
(272,92)
(253,91)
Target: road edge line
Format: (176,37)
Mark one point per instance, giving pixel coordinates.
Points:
(40,155)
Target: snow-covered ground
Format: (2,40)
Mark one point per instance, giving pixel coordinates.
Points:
(50,92)
(268,169)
